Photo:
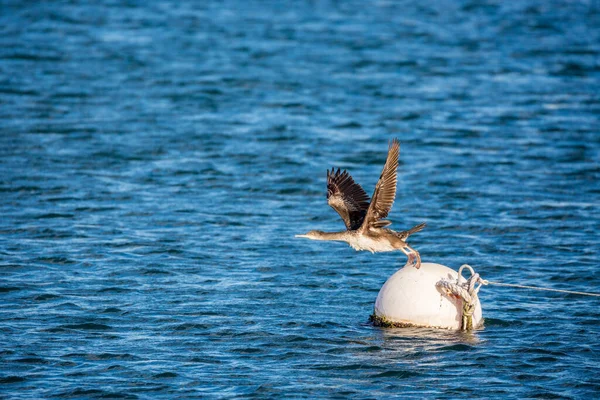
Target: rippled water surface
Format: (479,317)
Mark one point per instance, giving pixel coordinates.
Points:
(157,159)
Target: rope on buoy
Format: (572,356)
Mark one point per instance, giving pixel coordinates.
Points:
(466,290)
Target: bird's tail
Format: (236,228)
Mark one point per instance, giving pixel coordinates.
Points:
(405,234)
(416,228)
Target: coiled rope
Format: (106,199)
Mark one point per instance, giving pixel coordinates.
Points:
(467,290)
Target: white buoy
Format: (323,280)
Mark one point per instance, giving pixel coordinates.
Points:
(410,297)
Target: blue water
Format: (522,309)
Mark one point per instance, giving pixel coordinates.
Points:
(156,161)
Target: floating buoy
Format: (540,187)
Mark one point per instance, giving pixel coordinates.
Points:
(414,297)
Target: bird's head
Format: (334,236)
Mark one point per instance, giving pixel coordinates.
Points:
(314,235)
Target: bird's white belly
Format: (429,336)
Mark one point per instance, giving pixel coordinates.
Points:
(368,244)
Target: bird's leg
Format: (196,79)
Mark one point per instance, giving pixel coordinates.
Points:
(414,257)
(406,253)
(411,256)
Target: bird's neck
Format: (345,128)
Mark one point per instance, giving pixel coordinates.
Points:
(338,236)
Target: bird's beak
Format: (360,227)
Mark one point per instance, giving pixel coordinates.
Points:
(301,236)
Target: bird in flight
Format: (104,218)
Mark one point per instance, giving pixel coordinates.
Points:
(364,218)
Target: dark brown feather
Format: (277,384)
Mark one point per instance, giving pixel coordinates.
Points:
(385,190)
(347,197)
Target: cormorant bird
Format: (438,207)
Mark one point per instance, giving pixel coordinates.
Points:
(365,223)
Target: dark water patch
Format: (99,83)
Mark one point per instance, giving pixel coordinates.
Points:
(71,95)
(530,377)
(589,322)
(170,251)
(547,395)
(56,260)
(295,338)
(247,350)
(46,297)
(155,271)
(92,209)
(543,360)
(54,215)
(93,393)
(205,360)
(165,375)
(102,356)
(192,327)
(207,313)
(11,266)
(112,310)
(69,306)
(19,92)
(19,56)
(86,326)
(371,349)
(115,289)
(324,324)
(348,125)
(8,289)
(398,374)
(456,347)
(346,367)
(12,379)
(547,351)
(32,360)
(17,189)
(58,200)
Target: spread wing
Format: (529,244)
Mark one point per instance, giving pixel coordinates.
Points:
(385,190)
(347,197)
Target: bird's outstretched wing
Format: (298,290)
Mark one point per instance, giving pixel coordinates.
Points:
(385,190)
(347,197)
